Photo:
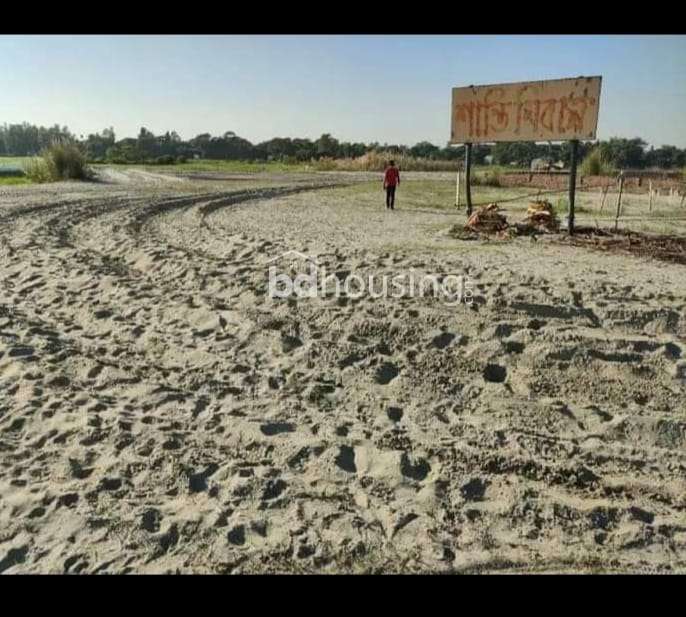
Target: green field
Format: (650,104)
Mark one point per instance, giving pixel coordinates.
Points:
(201,165)
(666,216)
(217,166)
(13,161)
(14,180)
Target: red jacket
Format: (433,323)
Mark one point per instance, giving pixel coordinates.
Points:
(391,177)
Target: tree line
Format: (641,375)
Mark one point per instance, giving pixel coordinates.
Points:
(28,140)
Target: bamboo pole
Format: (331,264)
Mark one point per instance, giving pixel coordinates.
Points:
(619,200)
(467,177)
(606,189)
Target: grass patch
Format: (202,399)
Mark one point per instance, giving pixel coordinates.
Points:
(377,161)
(371,165)
(433,194)
(14,180)
(209,165)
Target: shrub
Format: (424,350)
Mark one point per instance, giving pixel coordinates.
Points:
(66,161)
(489,178)
(181,159)
(37,170)
(166,159)
(596,164)
(59,161)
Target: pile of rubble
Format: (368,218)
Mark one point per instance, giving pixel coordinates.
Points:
(487,220)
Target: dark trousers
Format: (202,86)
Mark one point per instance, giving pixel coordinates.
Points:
(390,197)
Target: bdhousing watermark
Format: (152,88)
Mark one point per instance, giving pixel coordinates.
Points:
(308,278)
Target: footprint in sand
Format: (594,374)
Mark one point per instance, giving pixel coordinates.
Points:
(417,469)
(21,352)
(346,459)
(495,373)
(395,414)
(442,340)
(275,428)
(386,373)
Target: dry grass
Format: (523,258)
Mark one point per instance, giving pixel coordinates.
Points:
(596,165)
(377,161)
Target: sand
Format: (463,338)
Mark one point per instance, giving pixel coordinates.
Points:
(159,412)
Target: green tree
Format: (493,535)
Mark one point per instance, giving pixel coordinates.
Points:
(326,146)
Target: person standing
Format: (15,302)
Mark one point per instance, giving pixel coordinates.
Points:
(391,180)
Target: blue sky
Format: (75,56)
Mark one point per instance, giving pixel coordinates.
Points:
(393,89)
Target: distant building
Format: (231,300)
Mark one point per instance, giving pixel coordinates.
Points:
(541,164)
(546,164)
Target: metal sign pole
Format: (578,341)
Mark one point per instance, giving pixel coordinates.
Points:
(572,187)
(467,177)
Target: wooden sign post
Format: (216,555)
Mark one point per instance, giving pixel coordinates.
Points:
(572,187)
(457,189)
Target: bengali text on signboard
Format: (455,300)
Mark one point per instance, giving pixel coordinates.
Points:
(552,110)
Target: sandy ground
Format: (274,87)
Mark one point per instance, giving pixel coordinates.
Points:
(159,412)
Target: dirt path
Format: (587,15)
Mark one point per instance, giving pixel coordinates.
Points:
(159,412)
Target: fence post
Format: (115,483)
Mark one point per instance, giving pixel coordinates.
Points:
(619,199)
(650,192)
(604,191)
(467,177)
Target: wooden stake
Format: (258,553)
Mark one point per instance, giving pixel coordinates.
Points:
(602,201)
(619,200)
(467,177)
